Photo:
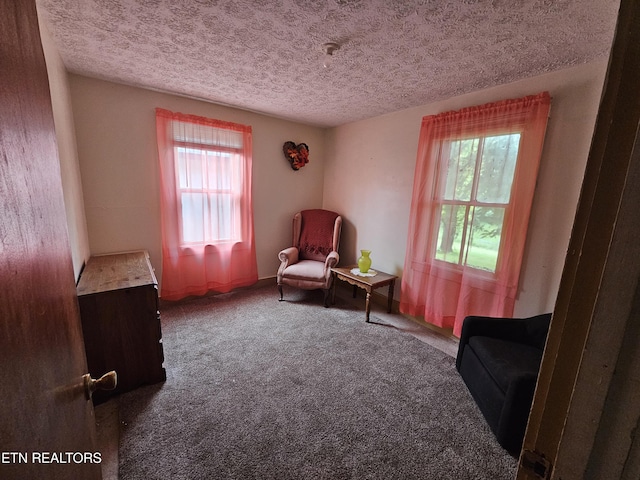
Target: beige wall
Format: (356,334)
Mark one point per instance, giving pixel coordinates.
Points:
(364,170)
(69,168)
(370,164)
(115,127)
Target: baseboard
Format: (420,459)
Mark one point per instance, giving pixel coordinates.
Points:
(265,282)
(262,282)
(379,298)
(445,332)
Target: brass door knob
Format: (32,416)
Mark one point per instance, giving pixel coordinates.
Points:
(108,381)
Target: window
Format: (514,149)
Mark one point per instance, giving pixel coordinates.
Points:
(205,203)
(209,180)
(475,182)
(473,189)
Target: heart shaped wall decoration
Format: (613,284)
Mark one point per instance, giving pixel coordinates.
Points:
(297,155)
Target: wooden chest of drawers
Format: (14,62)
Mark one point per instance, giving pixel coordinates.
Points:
(118,297)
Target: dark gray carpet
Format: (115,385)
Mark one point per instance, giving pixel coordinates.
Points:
(261,389)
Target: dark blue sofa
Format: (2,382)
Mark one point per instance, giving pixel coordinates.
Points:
(499,360)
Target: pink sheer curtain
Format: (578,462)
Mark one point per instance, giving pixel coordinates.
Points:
(441,290)
(206,207)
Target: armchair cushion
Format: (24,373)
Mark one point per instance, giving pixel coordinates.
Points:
(307,270)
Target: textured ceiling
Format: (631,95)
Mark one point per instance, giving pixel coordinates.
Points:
(266,55)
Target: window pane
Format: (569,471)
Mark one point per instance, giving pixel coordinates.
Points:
(181,155)
(190,167)
(206,135)
(209,176)
(207,216)
(450,233)
(221,219)
(460,169)
(219,170)
(498,164)
(484,239)
(192,217)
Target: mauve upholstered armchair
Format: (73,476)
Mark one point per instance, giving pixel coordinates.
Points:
(307,264)
(499,360)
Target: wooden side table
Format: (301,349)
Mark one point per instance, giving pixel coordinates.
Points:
(368,284)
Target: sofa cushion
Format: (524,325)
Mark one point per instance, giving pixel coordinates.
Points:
(506,360)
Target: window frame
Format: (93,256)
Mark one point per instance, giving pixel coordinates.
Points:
(440,179)
(234,192)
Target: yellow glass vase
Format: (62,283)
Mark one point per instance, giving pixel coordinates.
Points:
(364,262)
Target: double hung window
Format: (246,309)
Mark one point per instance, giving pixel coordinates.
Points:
(473,189)
(475,179)
(205,203)
(209,183)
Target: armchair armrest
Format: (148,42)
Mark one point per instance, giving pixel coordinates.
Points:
(331,261)
(289,255)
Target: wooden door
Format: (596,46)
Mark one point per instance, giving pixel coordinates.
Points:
(584,418)
(47,427)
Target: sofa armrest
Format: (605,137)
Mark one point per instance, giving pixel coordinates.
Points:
(537,330)
(515,412)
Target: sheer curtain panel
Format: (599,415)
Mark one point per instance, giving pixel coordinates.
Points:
(206,206)
(473,188)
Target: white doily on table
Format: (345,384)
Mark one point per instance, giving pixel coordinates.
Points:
(370,273)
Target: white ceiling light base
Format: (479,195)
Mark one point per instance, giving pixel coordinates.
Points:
(328,49)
